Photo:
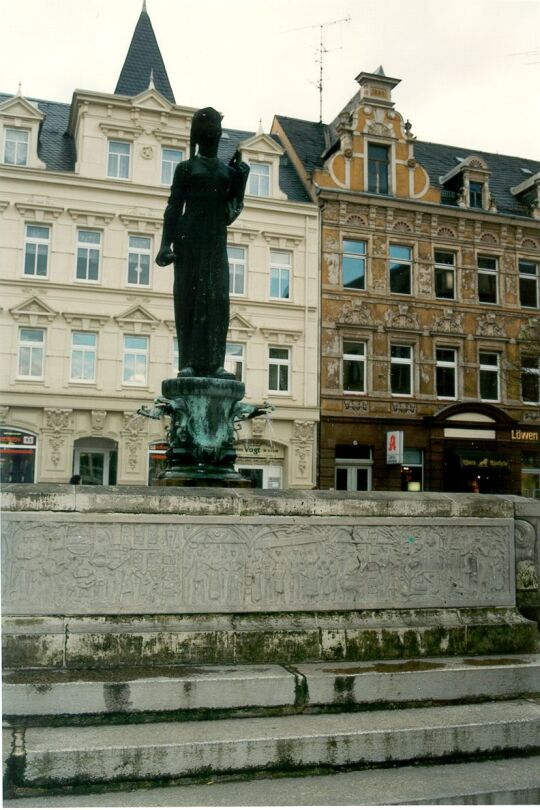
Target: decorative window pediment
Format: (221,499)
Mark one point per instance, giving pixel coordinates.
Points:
(263,150)
(34,312)
(21,111)
(138,319)
(281,336)
(38,212)
(239,235)
(142,223)
(261,147)
(282,240)
(151,99)
(86,321)
(238,325)
(121,130)
(91,218)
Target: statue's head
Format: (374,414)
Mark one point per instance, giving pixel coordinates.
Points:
(205,128)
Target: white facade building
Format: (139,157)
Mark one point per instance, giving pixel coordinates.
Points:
(87,325)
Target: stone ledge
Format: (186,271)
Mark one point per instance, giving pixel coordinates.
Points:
(310,503)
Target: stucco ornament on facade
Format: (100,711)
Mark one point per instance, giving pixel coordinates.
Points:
(98,419)
(489,325)
(133,431)
(57,420)
(404,318)
(449,321)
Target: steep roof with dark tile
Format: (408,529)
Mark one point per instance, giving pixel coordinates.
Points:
(311,140)
(143,62)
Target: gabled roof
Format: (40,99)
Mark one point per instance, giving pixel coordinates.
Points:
(55,148)
(310,140)
(144,63)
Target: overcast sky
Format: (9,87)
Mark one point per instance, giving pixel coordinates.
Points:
(469,69)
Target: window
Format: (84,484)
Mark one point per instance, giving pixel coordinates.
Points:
(530,475)
(135,360)
(280,274)
(412,470)
(259,179)
(237,270)
(528,283)
(140,251)
(354,464)
(475,194)
(400,269)
(83,356)
(446,373)
(16,147)
(175,355)
(487,279)
(170,158)
(445,274)
(118,163)
(378,165)
(36,250)
(401,370)
(354,367)
(354,264)
(530,379)
(489,376)
(278,370)
(234,360)
(31,353)
(88,255)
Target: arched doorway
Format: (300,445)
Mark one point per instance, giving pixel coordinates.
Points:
(95,460)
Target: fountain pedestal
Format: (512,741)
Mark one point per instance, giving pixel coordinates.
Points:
(203,413)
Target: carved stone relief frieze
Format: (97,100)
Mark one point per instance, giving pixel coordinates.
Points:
(450,321)
(58,424)
(98,419)
(133,431)
(404,318)
(489,325)
(302,440)
(132,566)
(355,405)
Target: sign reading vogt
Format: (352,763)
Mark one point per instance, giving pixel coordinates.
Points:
(394,447)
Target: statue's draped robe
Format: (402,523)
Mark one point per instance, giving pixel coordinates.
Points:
(206,195)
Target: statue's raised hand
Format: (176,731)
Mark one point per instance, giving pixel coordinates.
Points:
(165,256)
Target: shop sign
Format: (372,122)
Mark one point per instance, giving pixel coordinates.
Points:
(524,435)
(484,462)
(16,441)
(259,449)
(394,447)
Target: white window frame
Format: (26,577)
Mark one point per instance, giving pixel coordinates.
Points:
(361,359)
(402,361)
(175,355)
(282,271)
(452,364)
(85,351)
(259,182)
(484,271)
(168,165)
(351,466)
(446,268)
(38,242)
(361,258)
(118,163)
(235,361)
(236,265)
(278,363)
(17,143)
(87,247)
(32,346)
(398,260)
(533,371)
(523,276)
(136,353)
(139,252)
(488,368)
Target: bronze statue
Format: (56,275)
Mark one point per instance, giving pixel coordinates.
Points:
(206,196)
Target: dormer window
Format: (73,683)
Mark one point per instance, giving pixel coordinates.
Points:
(476,191)
(118,163)
(378,166)
(16,147)
(259,179)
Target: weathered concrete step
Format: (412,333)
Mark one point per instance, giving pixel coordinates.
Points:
(514,781)
(55,756)
(61,693)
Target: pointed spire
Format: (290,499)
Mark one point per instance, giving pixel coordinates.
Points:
(260,130)
(144,64)
(379,71)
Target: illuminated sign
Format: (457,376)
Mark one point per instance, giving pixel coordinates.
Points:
(394,447)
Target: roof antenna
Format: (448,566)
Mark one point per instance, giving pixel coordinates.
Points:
(321,51)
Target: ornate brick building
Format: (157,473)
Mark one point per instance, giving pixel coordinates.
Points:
(430,261)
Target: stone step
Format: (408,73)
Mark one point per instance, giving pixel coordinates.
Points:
(49,757)
(500,781)
(204,691)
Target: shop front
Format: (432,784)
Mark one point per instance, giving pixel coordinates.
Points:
(17,456)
